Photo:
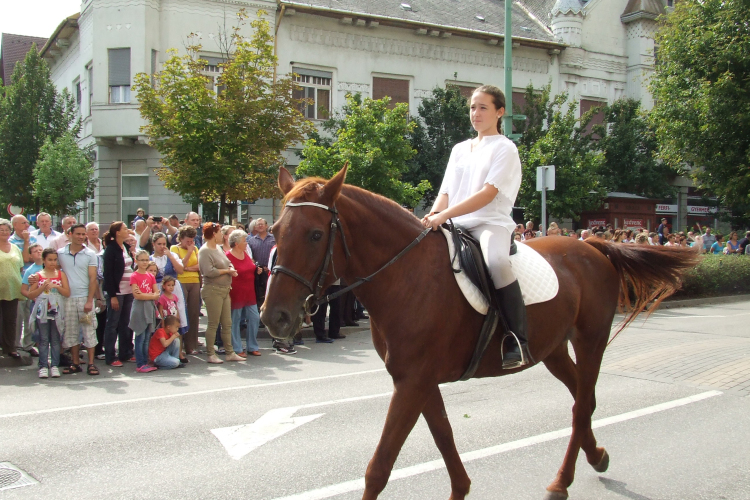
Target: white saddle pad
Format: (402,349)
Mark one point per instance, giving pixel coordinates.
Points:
(535,275)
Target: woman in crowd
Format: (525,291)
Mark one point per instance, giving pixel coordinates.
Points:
(117,268)
(225,232)
(619,236)
(242,294)
(733,246)
(217,272)
(11,263)
(718,246)
(190,281)
(48,312)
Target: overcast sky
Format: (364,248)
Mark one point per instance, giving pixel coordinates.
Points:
(35,17)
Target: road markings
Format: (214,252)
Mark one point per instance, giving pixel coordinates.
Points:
(359,484)
(242,439)
(239,440)
(188,394)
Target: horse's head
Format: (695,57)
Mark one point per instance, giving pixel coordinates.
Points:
(303,244)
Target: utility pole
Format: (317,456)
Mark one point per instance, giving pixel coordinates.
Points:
(508,64)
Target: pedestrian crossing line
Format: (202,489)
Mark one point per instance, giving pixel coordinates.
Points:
(359,484)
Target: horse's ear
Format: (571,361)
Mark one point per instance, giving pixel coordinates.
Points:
(333,187)
(286,183)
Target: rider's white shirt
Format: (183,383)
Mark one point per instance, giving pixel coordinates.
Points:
(493,161)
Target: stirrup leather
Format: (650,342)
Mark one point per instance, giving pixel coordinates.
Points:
(524,360)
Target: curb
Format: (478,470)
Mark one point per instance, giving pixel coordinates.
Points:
(725,299)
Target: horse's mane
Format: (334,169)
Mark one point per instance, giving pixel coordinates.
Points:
(310,187)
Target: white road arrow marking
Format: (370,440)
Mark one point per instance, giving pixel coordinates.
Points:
(240,440)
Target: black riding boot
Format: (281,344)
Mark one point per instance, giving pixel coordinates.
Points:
(512,308)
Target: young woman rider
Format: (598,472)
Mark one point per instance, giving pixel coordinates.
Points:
(479,188)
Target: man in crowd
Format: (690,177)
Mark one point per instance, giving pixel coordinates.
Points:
(192,219)
(23,239)
(45,234)
(708,239)
(153,226)
(260,248)
(64,238)
(80,266)
(529,232)
(743,244)
(584,234)
(663,232)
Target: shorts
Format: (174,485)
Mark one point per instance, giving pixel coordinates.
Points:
(74,329)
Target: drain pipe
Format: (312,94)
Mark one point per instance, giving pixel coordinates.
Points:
(275,38)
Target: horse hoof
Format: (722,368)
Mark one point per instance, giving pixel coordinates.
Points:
(603,464)
(555,495)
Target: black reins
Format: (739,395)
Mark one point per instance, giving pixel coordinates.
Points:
(322,272)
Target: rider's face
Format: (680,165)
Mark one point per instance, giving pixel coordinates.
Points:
(484,114)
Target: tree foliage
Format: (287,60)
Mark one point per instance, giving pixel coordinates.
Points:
(554,135)
(63,175)
(443,121)
(702,94)
(629,145)
(31,112)
(375,142)
(224,147)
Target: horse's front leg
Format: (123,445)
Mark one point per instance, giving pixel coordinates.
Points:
(407,403)
(440,427)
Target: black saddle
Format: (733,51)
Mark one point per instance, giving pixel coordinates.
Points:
(471,262)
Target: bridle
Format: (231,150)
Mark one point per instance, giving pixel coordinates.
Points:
(316,296)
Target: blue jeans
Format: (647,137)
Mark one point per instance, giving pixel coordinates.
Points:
(170,358)
(141,348)
(250,313)
(49,344)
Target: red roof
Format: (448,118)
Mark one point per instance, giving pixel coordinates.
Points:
(13,48)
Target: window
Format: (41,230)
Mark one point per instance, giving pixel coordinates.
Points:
(119,76)
(315,86)
(396,89)
(134,189)
(212,70)
(597,119)
(466,91)
(90,83)
(79,97)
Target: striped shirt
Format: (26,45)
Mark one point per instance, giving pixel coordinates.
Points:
(261,248)
(125,287)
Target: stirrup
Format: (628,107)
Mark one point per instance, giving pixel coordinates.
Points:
(511,365)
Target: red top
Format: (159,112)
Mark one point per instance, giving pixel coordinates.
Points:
(243,286)
(154,347)
(145,281)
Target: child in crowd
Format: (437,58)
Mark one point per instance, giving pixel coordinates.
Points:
(164,349)
(168,301)
(143,312)
(47,313)
(154,270)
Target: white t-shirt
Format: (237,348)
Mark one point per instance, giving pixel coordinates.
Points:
(493,161)
(44,240)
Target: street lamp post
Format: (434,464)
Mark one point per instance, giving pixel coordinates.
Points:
(508,63)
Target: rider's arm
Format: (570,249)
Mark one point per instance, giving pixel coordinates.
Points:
(441,203)
(471,204)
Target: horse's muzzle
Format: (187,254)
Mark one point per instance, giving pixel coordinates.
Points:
(279,322)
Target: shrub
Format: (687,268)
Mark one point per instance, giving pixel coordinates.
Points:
(717,275)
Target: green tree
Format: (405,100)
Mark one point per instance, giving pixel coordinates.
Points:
(31,111)
(702,95)
(63,175)
(442,123)
(553,135)
(224,147)
(375,142)
(629,145)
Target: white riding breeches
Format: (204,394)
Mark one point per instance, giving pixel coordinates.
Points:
(495,243)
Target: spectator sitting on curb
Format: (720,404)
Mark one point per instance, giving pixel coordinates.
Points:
(164,349)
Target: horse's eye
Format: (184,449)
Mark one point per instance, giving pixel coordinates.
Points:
(317,235)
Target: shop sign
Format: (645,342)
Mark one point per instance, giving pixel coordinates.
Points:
(634,223)
(666,209)
(597,222)
(701,210)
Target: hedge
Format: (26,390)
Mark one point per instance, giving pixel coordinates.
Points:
(717,275)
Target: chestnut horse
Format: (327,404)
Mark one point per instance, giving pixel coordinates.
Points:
(424,329)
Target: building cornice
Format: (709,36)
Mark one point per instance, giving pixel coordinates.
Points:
(63,31)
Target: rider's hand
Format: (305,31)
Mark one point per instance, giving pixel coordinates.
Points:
(433,221)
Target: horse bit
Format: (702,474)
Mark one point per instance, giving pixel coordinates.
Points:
(316,297)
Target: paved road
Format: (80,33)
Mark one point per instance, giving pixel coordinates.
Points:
(672,412)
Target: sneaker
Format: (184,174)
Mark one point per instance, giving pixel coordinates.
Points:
(324,340)
(282,349)
(337,337)
(213,358)
(221,350)
(132,359)
(234,357)
(44,372)
(146,369)
(116,363)
(100,356)
(34,352)
(255,353)
(54,372)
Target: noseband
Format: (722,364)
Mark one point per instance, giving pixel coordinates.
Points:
(316,296)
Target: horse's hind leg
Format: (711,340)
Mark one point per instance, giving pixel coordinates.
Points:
(580,379)
(407,403)
(437,419)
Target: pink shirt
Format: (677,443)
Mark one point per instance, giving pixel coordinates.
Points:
(144,281)
(168,305)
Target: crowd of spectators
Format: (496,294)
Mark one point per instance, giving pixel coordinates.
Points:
(135,294)
(703,240)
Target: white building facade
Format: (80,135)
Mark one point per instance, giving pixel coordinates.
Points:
(597,50)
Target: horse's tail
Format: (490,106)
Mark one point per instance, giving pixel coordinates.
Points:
(647,273)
